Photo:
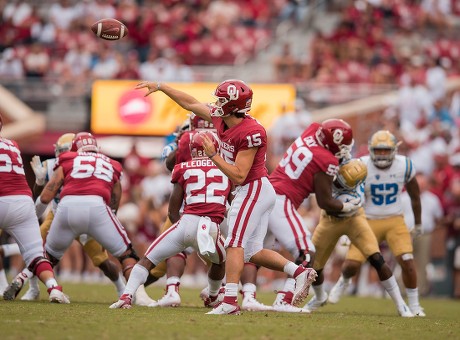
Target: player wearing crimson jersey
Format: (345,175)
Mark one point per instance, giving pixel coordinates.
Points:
(91,192)
(242,160)
(204,189)
(98,255)
(18,218)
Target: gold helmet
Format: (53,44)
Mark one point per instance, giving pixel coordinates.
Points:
(351,174)
(63,143)
(386,145)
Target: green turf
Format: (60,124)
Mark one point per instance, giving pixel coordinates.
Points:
(88,317)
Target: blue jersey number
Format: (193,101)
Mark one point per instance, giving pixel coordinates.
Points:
(384,193)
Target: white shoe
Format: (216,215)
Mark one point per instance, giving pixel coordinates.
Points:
(405,312)
(141,297)
(337,291)
(282,304)
(417,311)
(31,295)
(170,299)
(57,296)
(314,303)
(212,301)
(303,282)
(251,304)
(225,309)
(124,302)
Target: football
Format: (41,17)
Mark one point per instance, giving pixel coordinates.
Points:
(109,29)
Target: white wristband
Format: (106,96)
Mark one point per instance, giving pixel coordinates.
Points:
(40,207)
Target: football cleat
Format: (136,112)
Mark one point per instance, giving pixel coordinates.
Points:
(57,296)
(170,299)
(31,295)
(124,302)
(405,312)
(212,301)
(14,288)
(283,304)
(225,308)
(417,311)
(141,297)
(338,290)
(251,304)
(303,281)
(314,303)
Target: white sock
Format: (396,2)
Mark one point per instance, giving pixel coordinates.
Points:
(249,288)
(50,283)
(120,284)
(319,292)
(289,285)
(231,289)
(392,288)
(172,282)
(137,277)
(10,249)
(214,286)
(290,268)
(412,296)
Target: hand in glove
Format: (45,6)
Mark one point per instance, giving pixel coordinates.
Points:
(417,231)
(352,205)
(39,170)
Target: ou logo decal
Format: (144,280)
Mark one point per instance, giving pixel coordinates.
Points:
(337,136)
(232,92)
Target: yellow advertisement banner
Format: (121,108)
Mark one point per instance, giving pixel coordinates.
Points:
(118,109)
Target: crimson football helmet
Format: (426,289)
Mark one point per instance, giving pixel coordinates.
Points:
(232,96)
(196,143)
(84,142)
(336,135)
(199,123)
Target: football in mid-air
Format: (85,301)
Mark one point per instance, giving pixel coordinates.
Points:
(109,29)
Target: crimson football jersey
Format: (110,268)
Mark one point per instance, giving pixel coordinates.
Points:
(183,148)
(294,174)
(206,188)
(247,134)
(12,176)
(88,173)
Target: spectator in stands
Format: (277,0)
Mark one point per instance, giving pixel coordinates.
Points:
(432,214)
(107,65)
(10,67)
(36,61)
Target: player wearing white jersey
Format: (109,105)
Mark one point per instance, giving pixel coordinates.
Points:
(331,227)
(388,175)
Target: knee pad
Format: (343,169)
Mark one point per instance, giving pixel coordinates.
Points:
(129,254)
(376,260)
(39,265)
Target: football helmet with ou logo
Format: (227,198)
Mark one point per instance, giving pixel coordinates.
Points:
(232,96)
(336,135)
(382,148)
(84,142)
(196,143)
(64,143)
(198,123)
(351,174)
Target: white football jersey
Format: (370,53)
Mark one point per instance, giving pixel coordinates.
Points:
(383,187)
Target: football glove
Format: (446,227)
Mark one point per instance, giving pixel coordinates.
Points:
(39,170)
(417,231)
(352,205)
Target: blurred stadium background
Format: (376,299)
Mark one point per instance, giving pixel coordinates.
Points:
(378,64)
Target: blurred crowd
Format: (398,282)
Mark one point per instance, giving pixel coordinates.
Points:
(50,39)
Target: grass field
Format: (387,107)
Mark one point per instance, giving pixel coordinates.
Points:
(88,317)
